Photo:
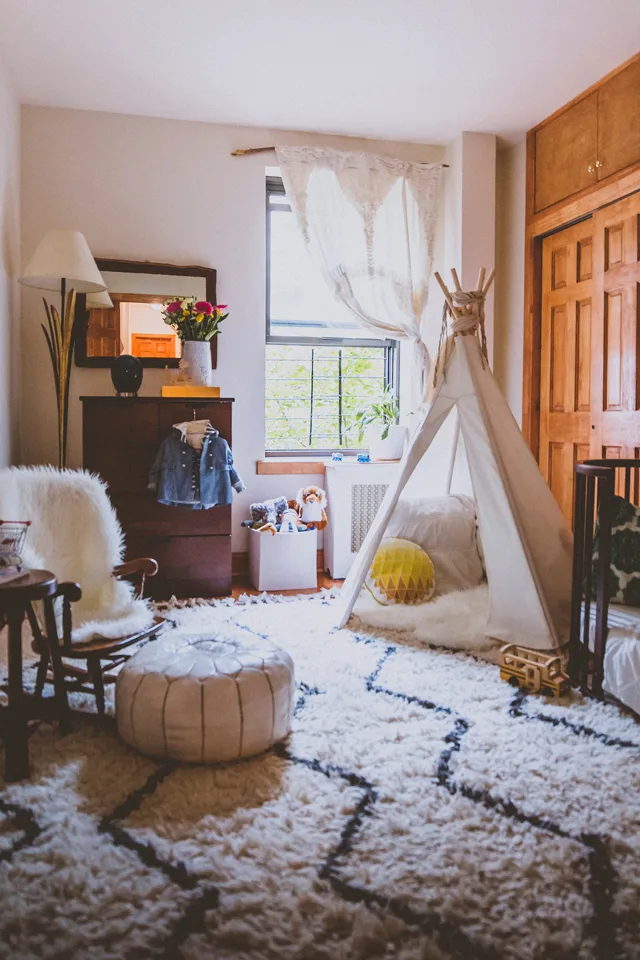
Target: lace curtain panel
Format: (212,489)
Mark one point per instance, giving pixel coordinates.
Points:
(369,223)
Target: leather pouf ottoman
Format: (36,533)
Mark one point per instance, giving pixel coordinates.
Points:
(205,699)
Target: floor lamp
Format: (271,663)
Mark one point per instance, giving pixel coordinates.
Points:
(62,260)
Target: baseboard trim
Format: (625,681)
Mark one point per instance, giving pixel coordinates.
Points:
(240,565)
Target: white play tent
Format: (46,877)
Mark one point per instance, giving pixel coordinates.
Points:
(526,541)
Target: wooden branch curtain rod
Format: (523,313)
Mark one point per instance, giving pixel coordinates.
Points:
(249,150)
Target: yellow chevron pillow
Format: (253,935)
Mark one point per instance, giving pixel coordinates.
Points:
(401,572)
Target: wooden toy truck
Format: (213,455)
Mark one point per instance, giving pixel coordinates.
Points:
(534,670)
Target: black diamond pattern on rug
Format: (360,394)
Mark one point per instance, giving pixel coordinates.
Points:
(20,829)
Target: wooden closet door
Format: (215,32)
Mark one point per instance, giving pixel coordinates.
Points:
(103,332)
(615,393)
(566,351)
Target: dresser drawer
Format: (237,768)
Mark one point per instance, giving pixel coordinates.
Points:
(187,566)
(125,424)
(126,470)
(141,515)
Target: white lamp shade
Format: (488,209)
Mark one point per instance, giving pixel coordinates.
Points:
(99,300)
(63,254)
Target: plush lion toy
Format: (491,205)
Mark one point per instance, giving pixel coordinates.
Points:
(311,502)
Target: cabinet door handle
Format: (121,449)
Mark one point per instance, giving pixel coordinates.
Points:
(590,168)
(598,163)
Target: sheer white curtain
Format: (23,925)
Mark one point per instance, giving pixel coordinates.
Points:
(369,223)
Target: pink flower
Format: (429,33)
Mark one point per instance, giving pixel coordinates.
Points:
(221,307)
(174,307)
(203,306)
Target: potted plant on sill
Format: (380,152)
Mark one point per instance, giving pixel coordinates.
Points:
(196,322)
(379,421)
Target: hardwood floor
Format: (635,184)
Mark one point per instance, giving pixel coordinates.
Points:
(324,582)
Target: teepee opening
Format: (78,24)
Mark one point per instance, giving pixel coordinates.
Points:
(492,501)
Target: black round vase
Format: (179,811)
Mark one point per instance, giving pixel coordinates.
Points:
(126,375)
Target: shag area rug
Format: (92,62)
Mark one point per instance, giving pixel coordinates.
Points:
(421,808)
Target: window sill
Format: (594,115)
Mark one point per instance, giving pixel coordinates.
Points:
(281,466)
(278,466)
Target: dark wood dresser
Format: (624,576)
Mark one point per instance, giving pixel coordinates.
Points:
(121,437)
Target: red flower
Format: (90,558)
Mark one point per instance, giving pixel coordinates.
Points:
(203,306)
(174,307)
(221,307)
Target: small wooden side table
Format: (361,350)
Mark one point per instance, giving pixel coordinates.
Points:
(15,598)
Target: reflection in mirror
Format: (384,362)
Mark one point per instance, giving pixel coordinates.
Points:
(127,317)
(133,325)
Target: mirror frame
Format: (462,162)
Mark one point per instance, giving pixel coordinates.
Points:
(139,266)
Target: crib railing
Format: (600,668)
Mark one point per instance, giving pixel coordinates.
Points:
(596,482)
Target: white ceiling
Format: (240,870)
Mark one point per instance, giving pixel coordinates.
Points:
(399,69)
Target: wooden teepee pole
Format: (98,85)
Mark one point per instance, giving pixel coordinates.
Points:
(490,280)
(445,290)
(482,286)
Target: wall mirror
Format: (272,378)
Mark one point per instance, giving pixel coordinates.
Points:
(134,323)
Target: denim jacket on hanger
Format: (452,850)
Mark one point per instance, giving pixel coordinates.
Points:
(198,480)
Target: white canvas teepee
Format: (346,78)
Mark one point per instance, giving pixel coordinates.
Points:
(526,541)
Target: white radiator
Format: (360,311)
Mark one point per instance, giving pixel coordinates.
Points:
(354,494)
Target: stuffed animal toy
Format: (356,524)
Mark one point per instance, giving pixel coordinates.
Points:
(291,522)
(265,515)
(282,505)
(311,503)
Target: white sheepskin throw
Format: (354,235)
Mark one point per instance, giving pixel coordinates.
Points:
(75,534)
(455,620)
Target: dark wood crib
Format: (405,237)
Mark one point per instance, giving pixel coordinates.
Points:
(596,483)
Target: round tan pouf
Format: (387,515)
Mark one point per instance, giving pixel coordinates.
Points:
(205,699)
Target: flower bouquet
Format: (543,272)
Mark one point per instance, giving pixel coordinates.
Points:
(196,322)
(194,319)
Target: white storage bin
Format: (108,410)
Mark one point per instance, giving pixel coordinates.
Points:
(284,561)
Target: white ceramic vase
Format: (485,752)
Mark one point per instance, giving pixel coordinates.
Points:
(392,447)
(196,362)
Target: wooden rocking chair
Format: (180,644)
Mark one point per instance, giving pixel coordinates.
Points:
(100,655)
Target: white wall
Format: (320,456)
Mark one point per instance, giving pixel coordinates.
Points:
(509,307)
(149,189)
(470,214)
(467,242)
(9,268)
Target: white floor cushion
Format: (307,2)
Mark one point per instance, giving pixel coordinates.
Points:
(446,528)
(205,699)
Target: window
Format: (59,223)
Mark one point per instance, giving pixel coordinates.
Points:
(319,369)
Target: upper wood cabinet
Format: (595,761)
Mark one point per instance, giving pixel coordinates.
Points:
(619,121)
(591,139)
(566,153)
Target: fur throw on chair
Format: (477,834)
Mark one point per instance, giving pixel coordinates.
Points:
(75,534)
